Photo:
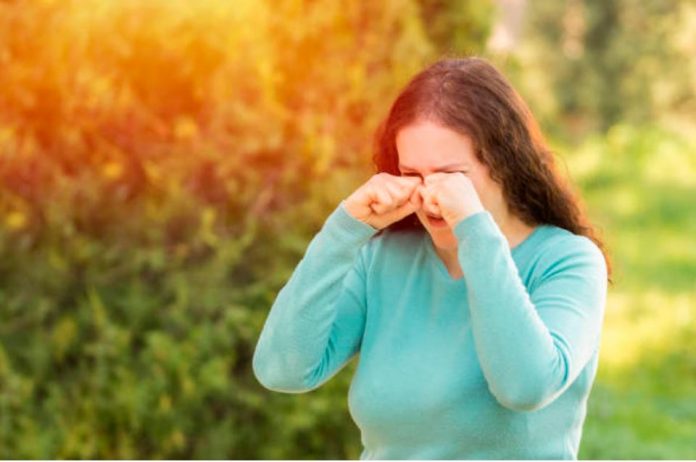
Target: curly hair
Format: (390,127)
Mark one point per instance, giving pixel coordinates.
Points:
(470,96)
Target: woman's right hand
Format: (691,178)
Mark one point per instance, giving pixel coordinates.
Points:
(385,199)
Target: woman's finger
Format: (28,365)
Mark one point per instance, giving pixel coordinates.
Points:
(434,178)
(382,200)
(430,204)
(416,198)
(408,182)
(399,192)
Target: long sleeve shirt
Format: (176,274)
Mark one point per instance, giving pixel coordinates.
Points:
(497,364)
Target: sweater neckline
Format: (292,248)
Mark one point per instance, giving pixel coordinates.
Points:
(515,252)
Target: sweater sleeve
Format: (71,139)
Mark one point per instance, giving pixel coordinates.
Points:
(531,345)
(316,323)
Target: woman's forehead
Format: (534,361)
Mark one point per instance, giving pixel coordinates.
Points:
(427,145)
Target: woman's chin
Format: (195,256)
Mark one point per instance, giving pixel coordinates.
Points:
(442,237)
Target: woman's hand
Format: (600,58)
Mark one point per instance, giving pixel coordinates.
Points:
(450,196)
(384,199)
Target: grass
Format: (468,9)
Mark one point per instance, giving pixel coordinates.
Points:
(639,185)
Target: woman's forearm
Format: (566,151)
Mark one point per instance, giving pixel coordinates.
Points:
(291,354)
(530,346)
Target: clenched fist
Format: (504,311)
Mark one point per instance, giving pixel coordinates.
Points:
(451,196)
(385,199)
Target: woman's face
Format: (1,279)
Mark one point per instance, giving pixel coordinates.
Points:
(427,147)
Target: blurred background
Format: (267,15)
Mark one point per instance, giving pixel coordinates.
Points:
(164,164)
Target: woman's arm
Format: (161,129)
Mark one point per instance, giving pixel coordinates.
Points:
(531,346)
(317,320)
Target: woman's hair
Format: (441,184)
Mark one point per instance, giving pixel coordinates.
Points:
(472,97)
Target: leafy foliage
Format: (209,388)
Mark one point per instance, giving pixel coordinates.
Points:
(162,168)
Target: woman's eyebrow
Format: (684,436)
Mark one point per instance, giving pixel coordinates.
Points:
(446,167)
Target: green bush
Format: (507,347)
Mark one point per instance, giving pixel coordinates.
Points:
(162,169)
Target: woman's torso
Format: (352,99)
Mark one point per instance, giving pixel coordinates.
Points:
(419,391)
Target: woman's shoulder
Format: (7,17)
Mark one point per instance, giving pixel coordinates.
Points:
(558,250)
(557,240)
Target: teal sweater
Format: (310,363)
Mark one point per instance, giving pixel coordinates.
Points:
(497,364)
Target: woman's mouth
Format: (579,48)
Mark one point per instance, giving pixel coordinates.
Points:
(436,222)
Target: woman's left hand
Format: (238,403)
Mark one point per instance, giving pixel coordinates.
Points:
(451,196)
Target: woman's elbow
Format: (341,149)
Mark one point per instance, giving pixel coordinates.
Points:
(527,398)
(275,376)
(532,387)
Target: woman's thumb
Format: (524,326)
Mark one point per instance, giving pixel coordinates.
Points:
(406,208)
(416,198)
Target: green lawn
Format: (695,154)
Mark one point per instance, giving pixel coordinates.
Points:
(640,187)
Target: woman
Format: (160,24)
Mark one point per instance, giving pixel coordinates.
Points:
(466,276)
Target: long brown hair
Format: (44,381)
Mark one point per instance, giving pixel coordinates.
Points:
(471,96)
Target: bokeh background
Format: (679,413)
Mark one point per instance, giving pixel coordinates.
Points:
(164,164)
